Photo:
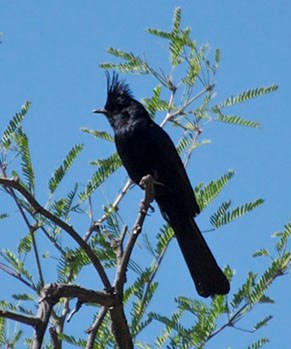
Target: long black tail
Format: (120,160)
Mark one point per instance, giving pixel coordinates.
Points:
(208,277)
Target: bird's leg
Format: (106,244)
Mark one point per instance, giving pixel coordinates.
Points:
(147,183)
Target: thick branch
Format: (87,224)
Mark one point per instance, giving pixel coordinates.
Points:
(120,327)
(14,183)
(52,293)
(84,295)
(27,320)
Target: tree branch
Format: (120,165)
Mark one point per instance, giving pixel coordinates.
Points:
(147,183)
(93,330)
(14,183)
(17,276)
(120,327)
(27,320)
(51,294)
(84,295)
(54,338)
(30,228)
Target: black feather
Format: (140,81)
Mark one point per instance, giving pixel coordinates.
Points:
(118,92)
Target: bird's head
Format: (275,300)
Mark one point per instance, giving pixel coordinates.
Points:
(119,96)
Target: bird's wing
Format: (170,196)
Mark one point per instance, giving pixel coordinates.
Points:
(170,171)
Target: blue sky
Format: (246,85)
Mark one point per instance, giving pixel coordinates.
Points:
(50,54)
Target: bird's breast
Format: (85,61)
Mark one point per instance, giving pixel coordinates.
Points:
(135,151)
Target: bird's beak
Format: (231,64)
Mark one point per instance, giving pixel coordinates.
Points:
(100,111)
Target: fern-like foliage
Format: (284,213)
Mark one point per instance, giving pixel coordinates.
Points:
(223,216)
(24,245)
(26,165)
(164,237)
(246,95)
(15,263)
(205,194)
(14,123)
(277,268)
(155,104)
(77,342)
(178,38)
(98,134)
(61,171)
(283,238)
(106,168)
(259,344)
(64,206)
(261,252)
(132,62)
(141,302)
(2,331)
(263,322)
(23,297)
(237,120)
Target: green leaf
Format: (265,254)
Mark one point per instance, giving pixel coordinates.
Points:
(263,322)
(176,21)
(164,237)
(244,291)
(133,63)
(237,120)
(24,245)
(246,95)
(261,252)
(26,165)
(194,68)
(106,168)
(14,124)
(2,331)
(205,194)
(81,343)
(3,216)
(259,344)
(61,171)
(185,142)
(217,56)
(155,104)
(15,263)
(160,33)
(112,162)
(64,206)
(284,236)
(98,134)
(222,216)
(23,297)
(278,267)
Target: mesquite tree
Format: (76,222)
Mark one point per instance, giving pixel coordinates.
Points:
(123,286)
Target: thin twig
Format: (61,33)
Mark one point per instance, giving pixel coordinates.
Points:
(93,330)
(115,204)
(75,310)
(144,206)
(17,276)
(153,274)
(53,241)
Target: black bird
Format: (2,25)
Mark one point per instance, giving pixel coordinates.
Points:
(145,148)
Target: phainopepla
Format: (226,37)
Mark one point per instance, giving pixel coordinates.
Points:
(145,148)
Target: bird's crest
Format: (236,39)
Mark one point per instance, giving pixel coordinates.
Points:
(118,92)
